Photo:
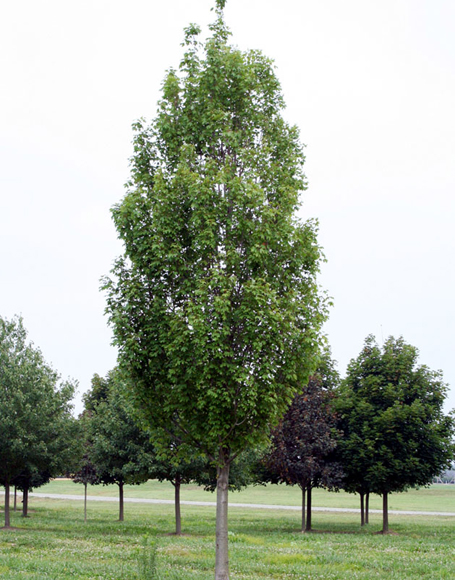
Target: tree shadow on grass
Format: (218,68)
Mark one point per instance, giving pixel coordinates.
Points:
(12,529)
(330,532)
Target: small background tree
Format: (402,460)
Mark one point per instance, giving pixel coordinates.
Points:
(391,411)
(119,449)
(35,410)
(303,444)
(178,464)
(29,479)
(84,470)
(86,474)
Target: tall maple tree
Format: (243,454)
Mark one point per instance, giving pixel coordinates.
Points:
(214,305)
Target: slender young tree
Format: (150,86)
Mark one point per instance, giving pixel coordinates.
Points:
(214,305)
(83,469)
(26,481)
(120,450)
(178,464)
(86,474)
(391,409)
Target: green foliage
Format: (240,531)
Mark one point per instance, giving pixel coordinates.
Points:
(178,463)
(214,304)
(97,394)
(147,570)
(396,435)
(36,425)
(30,478)
(242,472)
(119,449)
(220,4)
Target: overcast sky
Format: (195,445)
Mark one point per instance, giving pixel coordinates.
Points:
(370,84)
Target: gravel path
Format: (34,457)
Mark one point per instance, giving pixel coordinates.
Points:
(234,505)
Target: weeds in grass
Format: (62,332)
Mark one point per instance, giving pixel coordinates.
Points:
(147,561)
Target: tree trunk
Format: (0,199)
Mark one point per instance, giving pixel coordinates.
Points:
(178,519)
(303,507)
(7,517)
(362,509)
(25,503)
(385,513)
(367,507)
(222,484)
(120,497)
(308,509)
(15,498)
(85,502)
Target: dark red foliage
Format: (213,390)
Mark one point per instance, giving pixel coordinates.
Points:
(305,439)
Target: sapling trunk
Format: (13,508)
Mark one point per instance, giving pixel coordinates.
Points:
(120,496)
(222,557)
(303,507)
(367,507)
(25,502)
(385,513)
(362,509)
(7,516)
(85,501)
(308,509)
(178,519)
(15,498)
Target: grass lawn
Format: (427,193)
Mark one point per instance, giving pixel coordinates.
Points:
(436,498)
(54,543)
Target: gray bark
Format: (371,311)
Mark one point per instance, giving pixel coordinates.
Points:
(308,509)
(15,498)
(178,519)
(85,502)
(385,513)
(222,557)
(367,507)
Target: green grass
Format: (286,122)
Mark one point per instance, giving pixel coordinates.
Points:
(435,498)
(54,543)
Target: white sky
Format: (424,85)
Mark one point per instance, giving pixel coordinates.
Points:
(371,85)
